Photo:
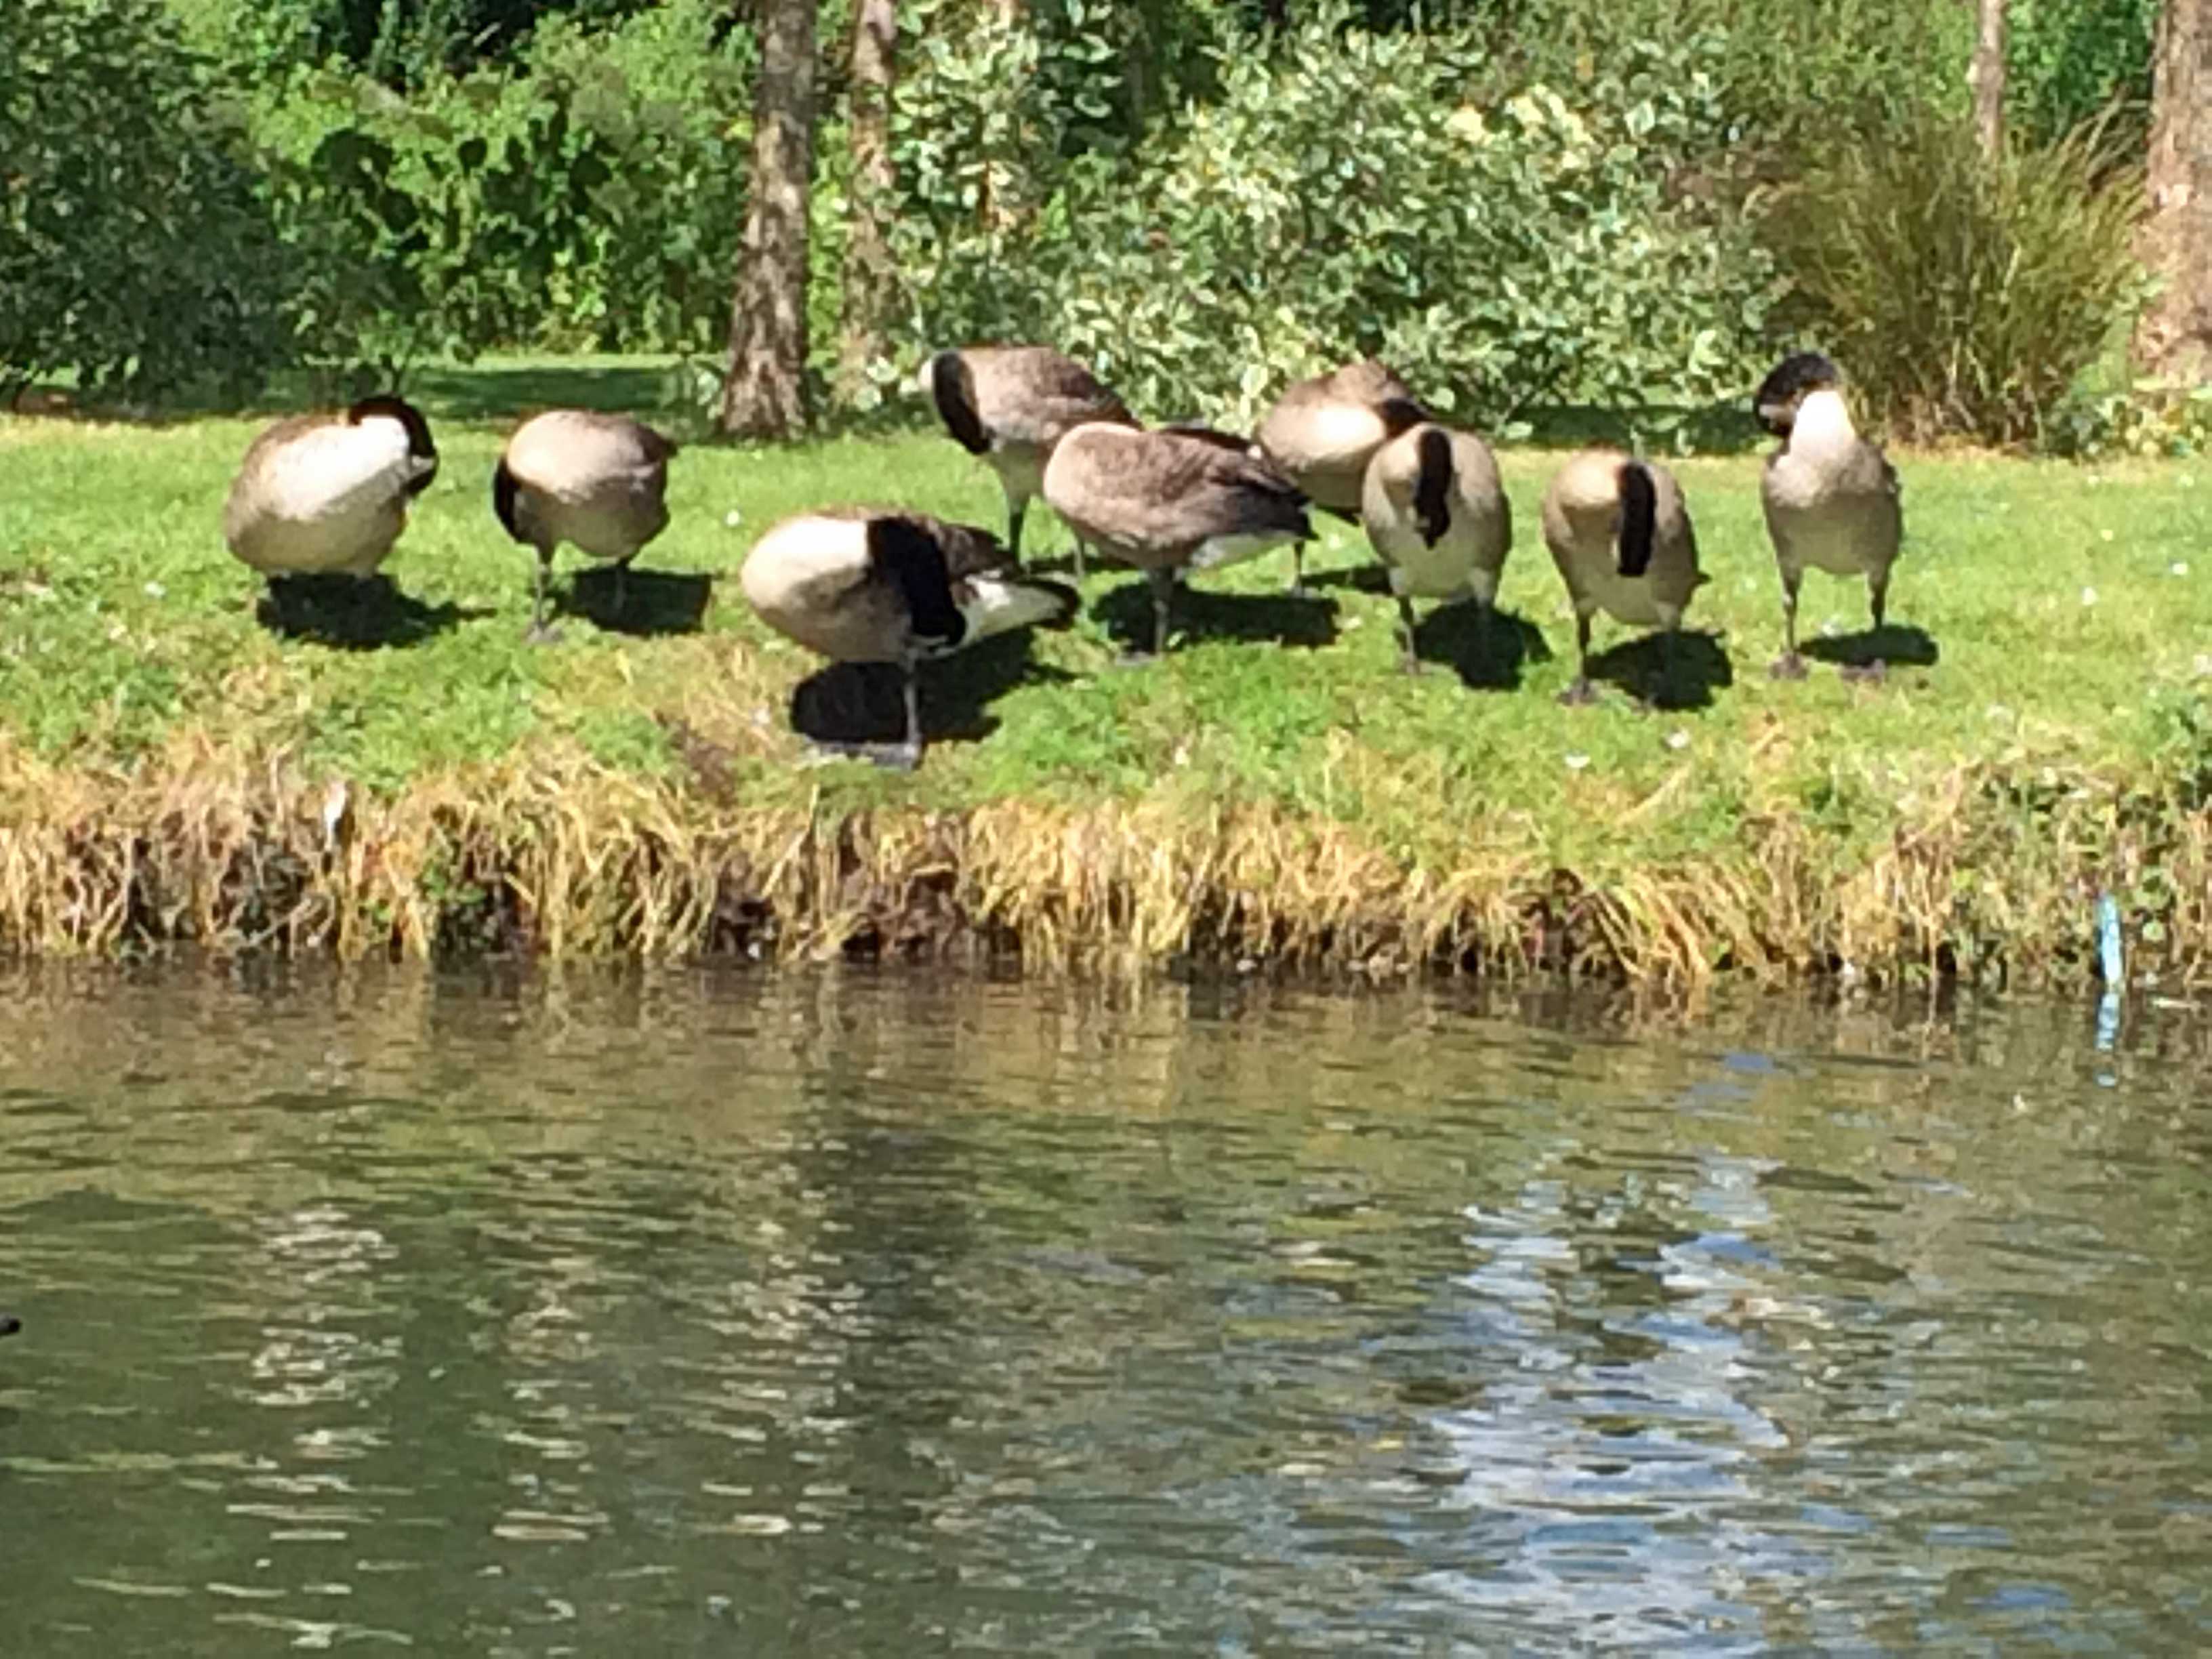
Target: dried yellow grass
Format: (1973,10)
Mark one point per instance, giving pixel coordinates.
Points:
(558,856)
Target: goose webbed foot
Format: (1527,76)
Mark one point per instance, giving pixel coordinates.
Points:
(540,633)
(1868,673)
(1787,667)
(1581,694)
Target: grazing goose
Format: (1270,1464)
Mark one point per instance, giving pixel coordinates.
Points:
(1621,537)
(1010,405)
(1831,498)
(596,482)
(864,586)
(1437,519)
(1171,501)
(327,494)
(1323,431)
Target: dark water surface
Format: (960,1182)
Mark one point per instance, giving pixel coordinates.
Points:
(748,1314)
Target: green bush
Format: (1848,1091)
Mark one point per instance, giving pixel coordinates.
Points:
(2068,60)
(1347,193)
(1965,298)
(134,255)
(589,197)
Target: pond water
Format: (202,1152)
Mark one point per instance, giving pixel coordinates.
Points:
(749,1314)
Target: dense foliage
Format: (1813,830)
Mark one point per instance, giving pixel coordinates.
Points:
(134,251)
(1349,193)
(585,197)
(1522,203)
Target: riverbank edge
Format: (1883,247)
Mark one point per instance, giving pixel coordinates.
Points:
(1995,880)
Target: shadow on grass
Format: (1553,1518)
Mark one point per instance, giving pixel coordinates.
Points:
(351,613)
(1639,667)
(652,602)
(1307,620)
(1485,648)
(506,392)
(1368,578)
(861,702)
(1899,644)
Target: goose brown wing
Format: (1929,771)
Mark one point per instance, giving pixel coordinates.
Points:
(1032,395)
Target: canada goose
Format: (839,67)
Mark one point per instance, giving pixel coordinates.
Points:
(1831,498)
(860,585)
(596,482)
(1169,501)
(9,1324)
(1437,519)
(1010,405)
(1621,537)
(328,493)
(1322,431)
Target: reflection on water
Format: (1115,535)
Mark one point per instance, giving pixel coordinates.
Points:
(730,1314)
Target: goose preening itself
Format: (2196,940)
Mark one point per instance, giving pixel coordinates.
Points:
(1438,521)
(1322,431)
(1009,405)
(1832,497)
(327,494)
(598,482)
(1621,537)
(860,585)
(1166,502)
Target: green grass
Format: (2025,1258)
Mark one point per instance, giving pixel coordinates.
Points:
(126,627)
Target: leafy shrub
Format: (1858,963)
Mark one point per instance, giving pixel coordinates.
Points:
(1793,76)
(1963,298)
(2068,60)
(2148,418)
(588,198)
(133,254)
(1344,195)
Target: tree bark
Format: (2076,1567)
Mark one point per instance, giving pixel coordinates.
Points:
(1987,77)
(764,394)
(868,284)
(2175,337)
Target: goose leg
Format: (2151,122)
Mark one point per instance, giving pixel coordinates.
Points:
(621,589)
(1412,662)
(539,632)
(1789,665)
(1016,512)
(1581,691)
(1163,585)
(908,754)
(1298,587)
(1878,599)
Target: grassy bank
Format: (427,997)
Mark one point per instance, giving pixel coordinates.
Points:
(171,760)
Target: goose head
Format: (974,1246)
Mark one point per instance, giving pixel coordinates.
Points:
(421,448)
(1792,381)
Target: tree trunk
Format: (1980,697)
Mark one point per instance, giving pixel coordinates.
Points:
(2176,335)
(867,255)
(1987,77)
(764,395)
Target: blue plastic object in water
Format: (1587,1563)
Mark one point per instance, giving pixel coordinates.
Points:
(2109,952)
